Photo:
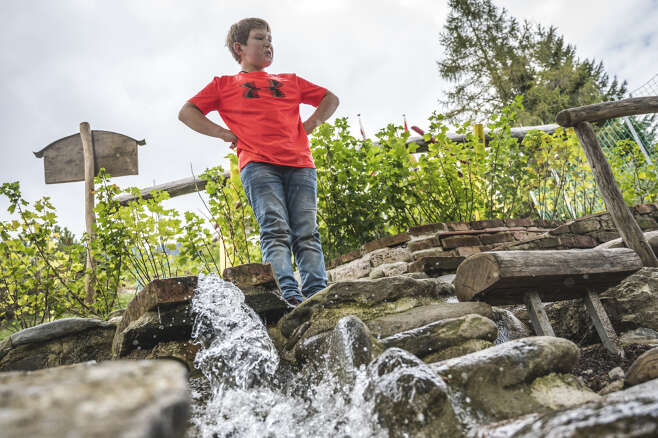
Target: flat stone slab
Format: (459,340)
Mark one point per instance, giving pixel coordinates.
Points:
(436,336)
(422,315)
(55,329)
(362,294)
(136,399)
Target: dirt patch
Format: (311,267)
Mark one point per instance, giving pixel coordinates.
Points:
(596,362)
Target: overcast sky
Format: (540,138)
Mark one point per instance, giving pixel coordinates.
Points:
(128,66)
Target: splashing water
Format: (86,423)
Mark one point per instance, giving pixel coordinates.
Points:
(250,394)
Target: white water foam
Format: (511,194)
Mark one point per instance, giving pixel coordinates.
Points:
(246,394)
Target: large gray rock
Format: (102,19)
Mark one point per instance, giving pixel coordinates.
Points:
(114,399)
(432,338)
(410,400)
(509,326)
(517,377)
(57,343)
(644,368)
(634,302)
(629,413)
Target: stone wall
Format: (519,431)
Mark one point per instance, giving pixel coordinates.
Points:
(437,249)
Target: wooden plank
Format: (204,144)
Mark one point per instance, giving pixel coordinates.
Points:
(602,323)
(614,201)
(64,158)
(538,317)
(90,216)
(174,188)
(608,110)
(503,277)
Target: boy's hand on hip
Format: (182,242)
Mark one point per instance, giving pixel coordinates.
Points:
(229,137)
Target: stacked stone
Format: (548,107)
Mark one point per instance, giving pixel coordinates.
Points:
(433,249)
(586,232)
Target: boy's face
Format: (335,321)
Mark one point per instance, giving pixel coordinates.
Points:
(258,52)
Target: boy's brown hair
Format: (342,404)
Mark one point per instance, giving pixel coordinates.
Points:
(239,33)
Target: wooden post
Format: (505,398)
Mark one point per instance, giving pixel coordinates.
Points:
(614,201)
(90,216)
(538,317)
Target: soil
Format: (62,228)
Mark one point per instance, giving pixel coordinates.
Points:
(596,362)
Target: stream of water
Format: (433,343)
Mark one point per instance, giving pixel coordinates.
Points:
(246,390)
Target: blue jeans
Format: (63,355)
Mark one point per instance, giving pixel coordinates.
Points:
(284,202)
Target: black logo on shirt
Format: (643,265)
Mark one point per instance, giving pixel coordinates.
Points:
(251,91)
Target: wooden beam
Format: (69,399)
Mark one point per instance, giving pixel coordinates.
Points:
(504,277)
(174,188)
(621,215)
(90,216)
(608,110)
(518,133)
(538,317)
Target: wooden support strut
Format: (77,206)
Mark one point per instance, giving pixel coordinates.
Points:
(538,317)
(602,323)
(90,216)
(614,201)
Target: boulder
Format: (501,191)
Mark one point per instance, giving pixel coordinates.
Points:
(389,255)
(644,368)
(439,335)
(181,351)
(516,378)
(634,302)
(466,347)
(62,342)
(353,270)
(113,399)
(409,399)
(388,270)
(629,413)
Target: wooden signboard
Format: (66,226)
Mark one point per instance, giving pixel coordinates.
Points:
(64,159)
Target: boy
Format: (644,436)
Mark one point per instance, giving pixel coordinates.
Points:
(277,171)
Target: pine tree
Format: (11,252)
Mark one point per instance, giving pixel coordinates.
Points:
(491,58)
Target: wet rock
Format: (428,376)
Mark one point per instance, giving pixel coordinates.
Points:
(364,299)
(644,368)
(350,347)
(642,336)
(168,291)
(57,344)
(112,399)
(166,323)
(629,413)
(439,335)
(181,351)
(509,326)
(410,400)
(497,382)
(419,316)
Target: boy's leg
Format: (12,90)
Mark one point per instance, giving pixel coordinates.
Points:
(301,192)
(264,188)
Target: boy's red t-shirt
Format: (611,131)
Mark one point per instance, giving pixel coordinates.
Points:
(262,110)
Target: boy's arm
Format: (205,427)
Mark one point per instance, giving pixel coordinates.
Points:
(325,109)
(194,118)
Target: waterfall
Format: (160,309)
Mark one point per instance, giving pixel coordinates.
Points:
(247,392)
